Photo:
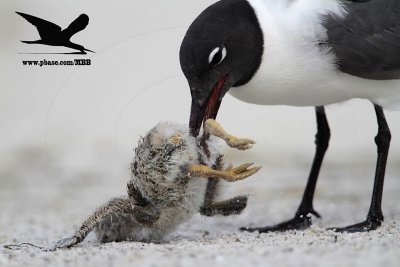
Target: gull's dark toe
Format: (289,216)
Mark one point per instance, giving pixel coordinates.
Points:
(299,222)
(369,224)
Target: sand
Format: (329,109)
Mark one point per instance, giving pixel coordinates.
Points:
(45,201)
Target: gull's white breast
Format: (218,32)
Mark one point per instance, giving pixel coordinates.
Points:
(296,70)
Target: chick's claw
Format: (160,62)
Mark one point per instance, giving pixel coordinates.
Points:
(214,128)
(230,174)
(241,168)
(240,143)
(239,173)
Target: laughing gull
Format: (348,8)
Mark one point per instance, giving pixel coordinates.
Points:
(52,34)
(298,53)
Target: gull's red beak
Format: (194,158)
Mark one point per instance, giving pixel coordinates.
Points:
(209,110)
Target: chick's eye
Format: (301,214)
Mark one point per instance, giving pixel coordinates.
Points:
(169,149)
(217,56)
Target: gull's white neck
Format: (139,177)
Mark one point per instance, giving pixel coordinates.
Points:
(295,69)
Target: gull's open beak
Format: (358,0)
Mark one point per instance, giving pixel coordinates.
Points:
(208,109)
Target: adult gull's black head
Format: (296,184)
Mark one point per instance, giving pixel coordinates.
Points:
(222,48)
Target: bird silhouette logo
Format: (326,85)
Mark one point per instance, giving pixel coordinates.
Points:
(52,34)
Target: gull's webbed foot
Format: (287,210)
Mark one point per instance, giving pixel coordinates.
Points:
(299,222)
(369,224)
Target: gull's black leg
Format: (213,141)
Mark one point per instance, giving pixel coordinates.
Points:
(375,216)
(302,218)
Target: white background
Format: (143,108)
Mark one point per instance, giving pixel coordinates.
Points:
(84,109)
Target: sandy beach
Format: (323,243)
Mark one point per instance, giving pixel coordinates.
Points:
(38,208)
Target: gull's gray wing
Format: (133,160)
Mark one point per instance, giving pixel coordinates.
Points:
(366,42)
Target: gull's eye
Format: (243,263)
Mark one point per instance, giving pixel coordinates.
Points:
(217,56)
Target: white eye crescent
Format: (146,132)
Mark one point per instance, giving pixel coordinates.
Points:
(217,55)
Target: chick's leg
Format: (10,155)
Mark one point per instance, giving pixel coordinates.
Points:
(212,127)
(213,185)
(115,208)
(230,174)
(227,207)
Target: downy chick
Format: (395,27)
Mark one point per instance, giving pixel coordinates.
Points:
(167,186)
